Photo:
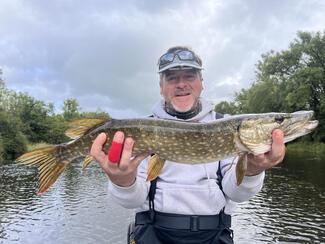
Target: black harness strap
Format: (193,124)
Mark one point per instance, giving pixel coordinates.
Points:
(219,174)
(219,178)
(152,192)
(219,182)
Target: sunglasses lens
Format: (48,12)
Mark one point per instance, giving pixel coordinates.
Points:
(167,58)
(186,55)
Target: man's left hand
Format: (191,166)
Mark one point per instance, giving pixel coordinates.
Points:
(258,163)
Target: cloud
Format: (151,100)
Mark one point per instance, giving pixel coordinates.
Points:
(104,53)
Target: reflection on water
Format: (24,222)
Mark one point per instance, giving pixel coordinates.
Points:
(75,209)
(290,208)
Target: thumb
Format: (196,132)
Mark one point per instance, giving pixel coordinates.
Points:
(278,148)
(278,137)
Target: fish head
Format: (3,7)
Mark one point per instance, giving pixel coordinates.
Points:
(255,132)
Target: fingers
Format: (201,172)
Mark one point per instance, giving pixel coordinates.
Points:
(278,137)
(115,150)
(126,154)
(97,148)
(258,163)
(125,162)
(118,165)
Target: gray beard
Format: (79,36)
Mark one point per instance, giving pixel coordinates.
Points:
(196,109)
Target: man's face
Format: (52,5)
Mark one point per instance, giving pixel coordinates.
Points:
(181,88)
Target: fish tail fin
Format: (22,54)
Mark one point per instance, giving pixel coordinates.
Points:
(155,166)
(51,162)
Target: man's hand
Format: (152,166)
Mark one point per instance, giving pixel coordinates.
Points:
(257,164)
(123,172)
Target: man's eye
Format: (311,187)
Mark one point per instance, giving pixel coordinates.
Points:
(171,78)
(190,77)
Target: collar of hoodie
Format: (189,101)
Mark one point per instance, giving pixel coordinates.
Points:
(160,112)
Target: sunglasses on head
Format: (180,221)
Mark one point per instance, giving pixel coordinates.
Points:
(184,55)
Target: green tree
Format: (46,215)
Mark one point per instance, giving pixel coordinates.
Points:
(299,72)
(302,70)
(57,126)
(225,107)
(71,109)
(12,141)
(25,120)
(97,114)
(33,114)
(40,124)
(290,80)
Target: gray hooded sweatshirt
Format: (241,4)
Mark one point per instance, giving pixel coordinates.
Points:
(189,189)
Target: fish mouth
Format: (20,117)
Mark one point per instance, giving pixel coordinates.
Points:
(311,125)
(301,130)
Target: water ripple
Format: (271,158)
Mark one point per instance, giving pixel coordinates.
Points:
(290,208)
(287,212)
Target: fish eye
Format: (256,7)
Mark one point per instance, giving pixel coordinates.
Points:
(279,120)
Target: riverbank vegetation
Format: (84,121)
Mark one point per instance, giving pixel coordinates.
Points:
(288,81)
(26,123)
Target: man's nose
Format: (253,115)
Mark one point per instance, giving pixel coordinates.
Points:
(181,82)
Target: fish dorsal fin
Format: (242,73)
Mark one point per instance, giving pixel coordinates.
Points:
(80,127)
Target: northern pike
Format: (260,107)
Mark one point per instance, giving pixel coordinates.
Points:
(177,141)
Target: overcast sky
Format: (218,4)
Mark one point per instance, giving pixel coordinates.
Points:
(105,52)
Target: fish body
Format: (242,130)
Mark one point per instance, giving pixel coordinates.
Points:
(177,141)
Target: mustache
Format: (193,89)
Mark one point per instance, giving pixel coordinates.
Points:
(182,92)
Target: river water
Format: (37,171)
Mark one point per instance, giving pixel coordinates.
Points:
(77,209)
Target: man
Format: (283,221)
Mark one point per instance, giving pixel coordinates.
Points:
(187,203)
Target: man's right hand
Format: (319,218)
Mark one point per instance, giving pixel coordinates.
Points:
(122,173)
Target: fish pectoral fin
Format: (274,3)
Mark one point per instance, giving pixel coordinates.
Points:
(88,159)
(80,127)
(155,166)
(241,168)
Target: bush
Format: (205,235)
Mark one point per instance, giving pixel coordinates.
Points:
(13,141)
